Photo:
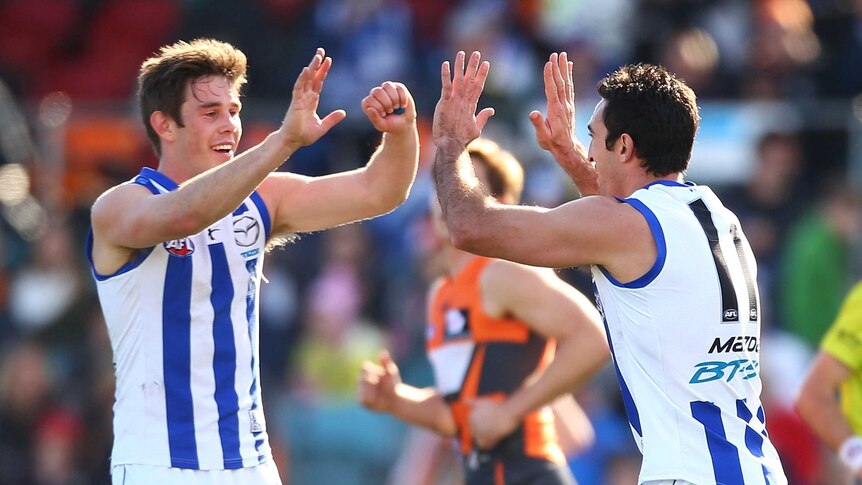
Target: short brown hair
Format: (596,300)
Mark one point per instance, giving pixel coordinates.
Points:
(505,174)
(658,110)
(162,79)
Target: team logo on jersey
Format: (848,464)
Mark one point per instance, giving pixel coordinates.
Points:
(456,322)
(180,247)
(246,231)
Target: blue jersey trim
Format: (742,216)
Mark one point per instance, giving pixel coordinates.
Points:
(628,401)
(158,177)
(224,357)
(264,213)
(176,342)
(136,260)
(661,246)
(666,183)
(724,454)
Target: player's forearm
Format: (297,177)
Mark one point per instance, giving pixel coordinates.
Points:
(461,196)
(820,409)
(576,163)
(208,197)
(572,366)
(391,170)
(423,407)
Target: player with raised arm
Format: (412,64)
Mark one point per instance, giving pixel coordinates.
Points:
(673,273)
(177,255)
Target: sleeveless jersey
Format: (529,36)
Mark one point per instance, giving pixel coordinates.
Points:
(475,355)
(182,317)
(685,341)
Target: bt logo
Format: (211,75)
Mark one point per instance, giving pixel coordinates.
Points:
(715,370)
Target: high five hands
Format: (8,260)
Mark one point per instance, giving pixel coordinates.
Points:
(455,118)
(556,132)
(302,126)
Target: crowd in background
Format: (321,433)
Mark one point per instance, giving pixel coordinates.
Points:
(69,129)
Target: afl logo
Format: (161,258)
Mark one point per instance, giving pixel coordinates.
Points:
(180,247)
(246,230)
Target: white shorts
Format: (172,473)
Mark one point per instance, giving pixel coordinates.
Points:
(266,474)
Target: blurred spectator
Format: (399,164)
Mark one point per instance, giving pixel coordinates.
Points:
(38,439)
(337,336)
(782,50)
(48,291)
(768,204)
(816,266)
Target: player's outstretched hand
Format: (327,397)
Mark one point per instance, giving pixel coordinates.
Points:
(556,133)
(455,117)
(490,422)
(390,108)
(302,126)
(377,384)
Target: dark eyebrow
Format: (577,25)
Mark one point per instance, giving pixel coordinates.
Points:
(216,104)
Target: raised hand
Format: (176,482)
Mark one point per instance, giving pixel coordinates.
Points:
(377,384)
(381,104)
(455,117)
(489,422)
(302,126)
(556,133)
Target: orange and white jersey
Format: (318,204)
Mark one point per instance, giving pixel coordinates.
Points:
(476,355)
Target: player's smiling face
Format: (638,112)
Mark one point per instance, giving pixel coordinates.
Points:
(212,126)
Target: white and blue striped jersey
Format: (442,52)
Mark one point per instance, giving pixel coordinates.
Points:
(182,317)
(685,340)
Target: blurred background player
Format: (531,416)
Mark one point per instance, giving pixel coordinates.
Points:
(177,254)
(831,397)
(504,340)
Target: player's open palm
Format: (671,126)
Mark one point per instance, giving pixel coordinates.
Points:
(489,422)
(390,108)
(377,383)
(302,126)
(455,117)
(556,133)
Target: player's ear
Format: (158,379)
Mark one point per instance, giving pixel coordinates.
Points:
(163,125)
(626,147)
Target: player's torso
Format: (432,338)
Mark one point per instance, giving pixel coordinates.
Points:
(686,339)
(182,317)
(474,354)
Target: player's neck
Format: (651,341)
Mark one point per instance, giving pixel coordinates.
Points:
(176,170)
(456,260)
(642,179)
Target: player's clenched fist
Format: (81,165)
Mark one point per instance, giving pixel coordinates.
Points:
(390,108)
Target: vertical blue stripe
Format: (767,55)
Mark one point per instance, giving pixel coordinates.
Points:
(176,343)
(251,317)
(753,440)
(725,456)
(224,358)
(742,411)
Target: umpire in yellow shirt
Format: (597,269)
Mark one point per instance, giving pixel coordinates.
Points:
(837,371)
